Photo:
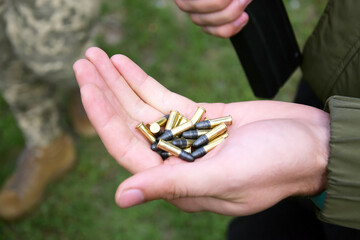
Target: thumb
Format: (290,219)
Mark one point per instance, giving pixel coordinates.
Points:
(169,182)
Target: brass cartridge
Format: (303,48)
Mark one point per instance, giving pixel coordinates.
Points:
(177,120)
(172,118)
(146,132)
(183,143)
(170,134)
(210,123)
(155,127)
(210,146)
(183,120)
(188,149)
(194,134)
(214,133)
(198,115)
(168,147)
(182,128)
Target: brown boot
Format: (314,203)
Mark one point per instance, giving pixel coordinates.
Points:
(35,169)
(78,116)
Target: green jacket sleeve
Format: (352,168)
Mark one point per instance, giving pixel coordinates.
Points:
(331,56)
(331,66)
(342,201)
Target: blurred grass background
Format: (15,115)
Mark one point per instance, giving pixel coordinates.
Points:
(164,42)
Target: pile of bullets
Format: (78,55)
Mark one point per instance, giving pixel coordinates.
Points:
(185,138)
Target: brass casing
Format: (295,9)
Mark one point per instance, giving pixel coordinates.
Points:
(189,142)
(198,114)
(216,121)
(217,131)
(169,147)
(155,128)
(188,149)
(172,118)
(183,120)
(161,122)
(214,143)
(182,128)
(146,132)
(203,131)
(177,120)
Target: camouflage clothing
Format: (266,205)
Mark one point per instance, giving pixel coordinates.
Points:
(39,41)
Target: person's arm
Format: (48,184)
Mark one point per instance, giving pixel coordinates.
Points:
(331,67)
(274,149)
(342,196)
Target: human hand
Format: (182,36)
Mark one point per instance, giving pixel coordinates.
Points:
(274,149)
(117,95)
(221,18)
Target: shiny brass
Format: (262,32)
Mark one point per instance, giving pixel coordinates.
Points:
(217,131)
(198,114)
(182,128)
(162,121)
(183,120)
(216,121)
(183,142)
(203,132)
(172,118)
(188,149)
(155,129)
(146,132)
(168,147)
(214,143)
(189,142)
(177,120)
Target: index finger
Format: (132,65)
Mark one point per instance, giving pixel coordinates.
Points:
(150,90)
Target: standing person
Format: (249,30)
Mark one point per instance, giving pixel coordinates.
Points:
(275,150)
(39,40)
(330,67)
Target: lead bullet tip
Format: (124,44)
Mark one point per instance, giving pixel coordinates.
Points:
(201,141)
(167,135)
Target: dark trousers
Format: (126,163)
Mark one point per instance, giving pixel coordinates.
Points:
(293,218)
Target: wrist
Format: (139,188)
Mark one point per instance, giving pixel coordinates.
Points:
(313,179)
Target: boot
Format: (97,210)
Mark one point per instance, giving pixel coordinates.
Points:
(80,121)
(36,168)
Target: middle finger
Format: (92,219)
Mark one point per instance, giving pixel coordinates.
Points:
(126,97)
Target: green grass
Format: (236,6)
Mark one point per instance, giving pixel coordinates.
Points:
(170,48)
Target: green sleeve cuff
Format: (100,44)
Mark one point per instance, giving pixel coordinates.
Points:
(342,201)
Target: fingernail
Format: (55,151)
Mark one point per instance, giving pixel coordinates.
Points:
(131,197)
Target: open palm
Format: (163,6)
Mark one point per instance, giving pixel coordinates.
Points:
(258,165)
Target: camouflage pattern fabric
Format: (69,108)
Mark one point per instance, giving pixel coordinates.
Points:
(39,41)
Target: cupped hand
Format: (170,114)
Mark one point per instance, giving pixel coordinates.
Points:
(274,149)
(221,18)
